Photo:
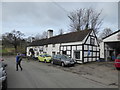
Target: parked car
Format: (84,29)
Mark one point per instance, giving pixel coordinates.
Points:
(62,60)
(117,62)
(3,75)
(44,58)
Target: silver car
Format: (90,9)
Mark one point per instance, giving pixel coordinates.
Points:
(62,60)
(3,75)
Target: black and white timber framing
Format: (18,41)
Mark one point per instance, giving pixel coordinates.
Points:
(82,46)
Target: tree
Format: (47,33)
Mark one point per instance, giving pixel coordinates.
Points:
(41,36)
(106,32)
(85,19)
(61,31)
(13,38)
(44,35)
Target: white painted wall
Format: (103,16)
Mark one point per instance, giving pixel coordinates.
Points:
(28,54)
(72,43)
(51,49)
(36,50)
(102,50)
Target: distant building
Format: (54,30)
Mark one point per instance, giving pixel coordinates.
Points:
(82,45)
(110,46)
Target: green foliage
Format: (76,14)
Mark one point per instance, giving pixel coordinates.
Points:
(11,51)
(8,51)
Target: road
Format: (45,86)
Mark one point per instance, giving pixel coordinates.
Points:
(39,75)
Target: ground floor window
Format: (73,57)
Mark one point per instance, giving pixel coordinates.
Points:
(31,51)
(58,52)
(37,53)
(77,54)
(53,53)
(64,52)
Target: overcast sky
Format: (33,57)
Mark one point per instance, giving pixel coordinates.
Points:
(35,17)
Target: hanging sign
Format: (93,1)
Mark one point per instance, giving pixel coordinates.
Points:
(88,52)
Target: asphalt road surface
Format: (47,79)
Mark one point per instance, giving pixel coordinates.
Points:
(39,75)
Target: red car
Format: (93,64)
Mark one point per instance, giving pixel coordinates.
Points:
(117,62)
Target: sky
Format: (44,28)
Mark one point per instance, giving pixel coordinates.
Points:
(33,18)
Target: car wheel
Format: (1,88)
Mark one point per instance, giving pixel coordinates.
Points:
(45,61)
(4,85)
(73,65)
(52,62)
(62,64)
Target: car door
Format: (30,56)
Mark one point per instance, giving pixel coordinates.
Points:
(59,59)
(41,57)
(55,59)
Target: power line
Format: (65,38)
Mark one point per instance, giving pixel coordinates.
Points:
(60,6)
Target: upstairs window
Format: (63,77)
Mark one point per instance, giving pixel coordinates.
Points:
(92,41)
(53,45)
(46,46)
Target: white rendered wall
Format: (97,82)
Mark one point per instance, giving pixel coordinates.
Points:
(102,50)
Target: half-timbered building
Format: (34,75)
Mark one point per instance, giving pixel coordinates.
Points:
(81,45)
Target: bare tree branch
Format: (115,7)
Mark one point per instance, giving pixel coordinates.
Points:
(85,19)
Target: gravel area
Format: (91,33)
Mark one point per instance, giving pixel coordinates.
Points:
(101,72)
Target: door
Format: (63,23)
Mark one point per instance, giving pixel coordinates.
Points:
(64,52)
(77,55)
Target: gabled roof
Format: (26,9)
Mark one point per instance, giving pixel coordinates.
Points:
(111,34)
(65,38)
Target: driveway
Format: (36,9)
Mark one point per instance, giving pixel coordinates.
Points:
(45,75)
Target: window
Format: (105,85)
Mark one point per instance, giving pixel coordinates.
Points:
(92,41)
(53,53)
(44,52)
(46,46)
(35,49)
(37,53)
(64,52)
(58,52)
(77,54)
(53,45)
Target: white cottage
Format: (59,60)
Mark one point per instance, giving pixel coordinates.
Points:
(82,46)
(110,46)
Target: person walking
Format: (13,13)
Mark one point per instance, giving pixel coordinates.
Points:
(18,62)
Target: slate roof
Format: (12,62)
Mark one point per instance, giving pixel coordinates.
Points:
(65,38)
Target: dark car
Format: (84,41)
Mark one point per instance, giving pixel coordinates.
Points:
(62,60)
(3,75)
(117,62)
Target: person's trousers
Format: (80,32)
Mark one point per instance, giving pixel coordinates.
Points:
(18,64)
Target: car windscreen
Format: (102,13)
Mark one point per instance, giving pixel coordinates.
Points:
(47,55)
(65,57)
